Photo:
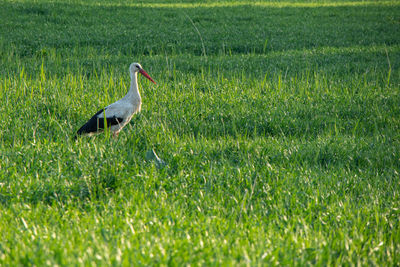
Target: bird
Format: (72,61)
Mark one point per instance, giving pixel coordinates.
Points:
(119,113)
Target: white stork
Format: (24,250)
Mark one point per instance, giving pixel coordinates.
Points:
(119,113)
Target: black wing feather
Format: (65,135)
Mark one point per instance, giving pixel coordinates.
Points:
(96,124)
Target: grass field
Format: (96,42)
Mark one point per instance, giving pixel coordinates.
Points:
(279,123)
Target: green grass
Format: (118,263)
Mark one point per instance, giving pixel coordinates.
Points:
(279,123)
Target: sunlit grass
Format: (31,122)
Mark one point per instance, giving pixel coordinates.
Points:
(271,4)
(213,4)
(278,152)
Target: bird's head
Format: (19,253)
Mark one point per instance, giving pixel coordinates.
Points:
(136,67)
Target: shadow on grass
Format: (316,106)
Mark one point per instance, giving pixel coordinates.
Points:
(78,193)
(115,29)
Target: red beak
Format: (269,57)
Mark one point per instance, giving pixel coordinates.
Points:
(141,71)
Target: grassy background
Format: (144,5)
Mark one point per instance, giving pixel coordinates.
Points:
(279,122)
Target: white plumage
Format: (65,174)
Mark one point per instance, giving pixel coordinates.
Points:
(119,113)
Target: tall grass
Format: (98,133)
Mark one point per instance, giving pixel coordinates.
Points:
(280,149)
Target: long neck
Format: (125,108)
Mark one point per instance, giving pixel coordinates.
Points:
(133,94)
